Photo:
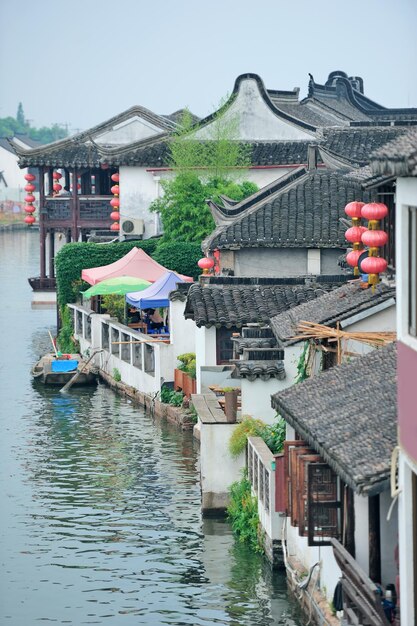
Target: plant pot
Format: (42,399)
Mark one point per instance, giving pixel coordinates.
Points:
(178,379)
(230,405)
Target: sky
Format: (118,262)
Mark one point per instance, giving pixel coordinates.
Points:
(79,63)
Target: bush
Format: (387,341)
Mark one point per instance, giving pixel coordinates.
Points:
(180,256)
(169,396)
(248,427)
(243,513)
(75,257)
(65,340)
(274,435)
(115,305)
(117,375)
(187,363)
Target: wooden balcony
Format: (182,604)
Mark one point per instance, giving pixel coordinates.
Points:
(42,284)
(93,211)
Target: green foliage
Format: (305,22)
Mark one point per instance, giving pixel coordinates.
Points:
(65,340)
(248,427)
(302,363)
(169,396)
(10,126)
(179,256)
(274,435)
(117,375)
(187,363)
(243,513)
(115,306)
(184,211)
(74,257)
(218,154)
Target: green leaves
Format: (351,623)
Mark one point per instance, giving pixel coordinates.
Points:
(243,513)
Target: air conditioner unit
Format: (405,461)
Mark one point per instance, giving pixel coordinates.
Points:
(130,226)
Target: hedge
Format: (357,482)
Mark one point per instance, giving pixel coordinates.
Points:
(180,256)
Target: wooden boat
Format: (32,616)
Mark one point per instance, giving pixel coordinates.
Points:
(53,370)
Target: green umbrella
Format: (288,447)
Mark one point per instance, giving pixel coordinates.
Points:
(119,285)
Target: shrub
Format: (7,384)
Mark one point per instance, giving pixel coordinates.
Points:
(115,306)
(243,513)
(274,435)
(246,428)
(180,256)
(169,396)
(117,375)
(187,363)
(74,257)
(65,340)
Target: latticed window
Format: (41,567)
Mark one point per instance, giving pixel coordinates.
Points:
(255,473)
(250,464)
(313,494)
(266,489)
(261,481)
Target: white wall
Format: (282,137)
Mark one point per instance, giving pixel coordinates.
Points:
(256,120)
(256,397)
(15,178)
(270,262)
(361,532)
(217,467)
(406,538)
(182,331)
(138,189)
(205,349)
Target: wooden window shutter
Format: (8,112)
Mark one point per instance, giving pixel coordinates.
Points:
(280,484)
(290,477)
(323,504)
(303,461)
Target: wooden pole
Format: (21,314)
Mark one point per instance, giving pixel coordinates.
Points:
(142,341)
(53,343)
(374,539)
(78,373)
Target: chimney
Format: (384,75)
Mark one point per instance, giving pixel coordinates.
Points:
(312,156)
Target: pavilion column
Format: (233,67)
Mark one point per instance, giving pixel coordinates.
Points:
(51,253)
(68,236)
(75,207)
(42,229)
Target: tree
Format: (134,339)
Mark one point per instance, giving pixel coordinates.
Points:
(206,166)
(20,116)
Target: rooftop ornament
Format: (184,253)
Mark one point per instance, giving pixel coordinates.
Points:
(206,264)
(374,238)
(115,202)
(29,199)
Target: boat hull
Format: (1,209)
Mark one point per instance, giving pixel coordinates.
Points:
(43,373)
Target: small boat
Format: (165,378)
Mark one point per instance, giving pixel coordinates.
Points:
(59,370)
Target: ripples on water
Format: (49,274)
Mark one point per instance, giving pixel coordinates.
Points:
(101,509)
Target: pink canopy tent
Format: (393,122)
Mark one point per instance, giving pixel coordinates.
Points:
(136,263)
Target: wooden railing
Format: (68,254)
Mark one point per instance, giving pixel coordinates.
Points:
(90,209)
(362,601)
(42,284)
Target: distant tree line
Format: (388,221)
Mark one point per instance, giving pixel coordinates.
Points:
(10,126)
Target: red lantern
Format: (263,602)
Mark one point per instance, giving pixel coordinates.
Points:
(29,220)
(205,264)
(354,209)
(115,215)
(115,203)
(374,265)
(29,198)
(29,177)
(56,176)
(29,187)
(353,257)
(375,238)
(374,211)
(29,208)
(115,226)
(115,190)
(355,233)
(115,177)
(57,187)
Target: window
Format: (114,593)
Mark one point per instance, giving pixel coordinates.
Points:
(412,271)
(105,342)
(225,344)
(313,494)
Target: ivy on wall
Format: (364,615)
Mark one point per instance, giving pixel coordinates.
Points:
(180,256)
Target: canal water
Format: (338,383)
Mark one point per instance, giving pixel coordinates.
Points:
(100,504)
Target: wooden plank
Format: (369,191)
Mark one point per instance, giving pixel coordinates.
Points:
(202,409)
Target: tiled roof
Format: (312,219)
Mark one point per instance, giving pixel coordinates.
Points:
(237,304)
(398,157)
(338,305)
(357,144)
(303,214)
(260,369)
(348,414)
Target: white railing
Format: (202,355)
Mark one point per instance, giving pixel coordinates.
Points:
(141,362)
(261,474)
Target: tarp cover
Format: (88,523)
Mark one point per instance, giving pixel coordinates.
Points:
(134,263)
(157,294)
(64,366)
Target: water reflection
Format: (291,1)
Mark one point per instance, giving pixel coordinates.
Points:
(101,505)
